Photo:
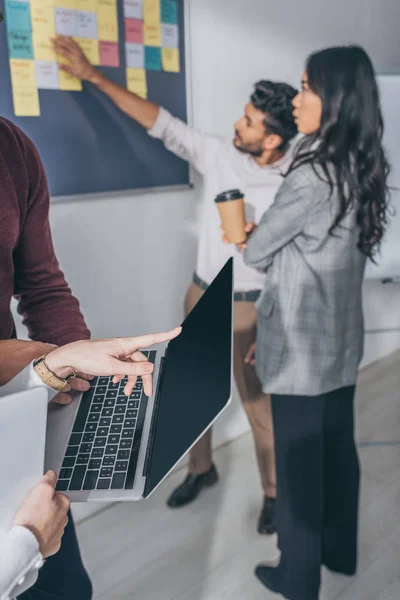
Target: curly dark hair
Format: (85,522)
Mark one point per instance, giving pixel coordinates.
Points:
(275,100)
(350,140)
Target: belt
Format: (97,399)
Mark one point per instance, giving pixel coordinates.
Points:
(250,296)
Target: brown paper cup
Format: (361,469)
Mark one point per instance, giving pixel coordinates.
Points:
(231,209)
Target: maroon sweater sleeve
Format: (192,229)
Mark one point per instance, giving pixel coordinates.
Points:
(50,311)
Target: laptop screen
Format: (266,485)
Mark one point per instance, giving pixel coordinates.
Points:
(196,383)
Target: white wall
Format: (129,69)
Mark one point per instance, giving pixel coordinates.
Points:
(129,259)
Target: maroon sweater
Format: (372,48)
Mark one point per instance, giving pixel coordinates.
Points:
(28,266)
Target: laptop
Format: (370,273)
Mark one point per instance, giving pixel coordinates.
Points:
(108,447)
(22,435)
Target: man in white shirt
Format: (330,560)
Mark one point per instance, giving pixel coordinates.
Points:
(254,161)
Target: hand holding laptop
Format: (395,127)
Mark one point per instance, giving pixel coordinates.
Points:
(44,513)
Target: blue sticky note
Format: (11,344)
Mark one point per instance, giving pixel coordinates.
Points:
(169,12)
(20,44)
(18,16)
(152,58)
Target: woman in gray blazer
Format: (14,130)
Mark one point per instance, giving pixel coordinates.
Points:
(328,217)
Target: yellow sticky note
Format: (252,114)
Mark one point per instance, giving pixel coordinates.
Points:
(26,101)
(43,48)
(90,5)
(69,83)
(170,60)
(136,81)
(42,16)
(152,12)
(90,49)
(152,34)
(22,73)
(107,21)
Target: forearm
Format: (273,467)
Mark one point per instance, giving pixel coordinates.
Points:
(16,355)
(143,111)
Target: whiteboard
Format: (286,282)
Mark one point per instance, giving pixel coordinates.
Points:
(389,261)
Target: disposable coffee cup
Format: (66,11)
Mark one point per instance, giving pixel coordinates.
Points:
(231,209)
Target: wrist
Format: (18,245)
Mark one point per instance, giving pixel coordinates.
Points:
(93,76)
(57,363)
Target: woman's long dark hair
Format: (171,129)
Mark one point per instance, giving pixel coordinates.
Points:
(350,139)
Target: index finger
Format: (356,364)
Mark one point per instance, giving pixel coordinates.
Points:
(50,477)
(143,341)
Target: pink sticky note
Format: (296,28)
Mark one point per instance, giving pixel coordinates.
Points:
(134,31)
(109,54)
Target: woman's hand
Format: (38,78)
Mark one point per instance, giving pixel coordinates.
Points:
(78,65)
(251,355)
(249,228)
(119,357)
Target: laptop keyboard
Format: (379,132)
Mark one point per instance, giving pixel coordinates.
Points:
(104,445)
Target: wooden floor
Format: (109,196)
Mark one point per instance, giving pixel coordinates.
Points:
(207,551)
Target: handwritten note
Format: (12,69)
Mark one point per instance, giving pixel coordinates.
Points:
(47,77)
(134,31)
(134,54)
(42,48)
(170,36)
(90,49)
(152,34)
(107,21)
(136,82)
(26,102)
(18,16)
(151,12)
(89,5)
(133,9)
(153,59)
(170,60)
(69,83)
(66,21)
(20,44)
(22,73)
(109,54)
(169,12)
(86,24)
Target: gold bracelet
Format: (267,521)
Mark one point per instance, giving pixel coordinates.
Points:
(51,379)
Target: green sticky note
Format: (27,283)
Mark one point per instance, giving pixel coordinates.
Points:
(18,16)
(152,58)
(20,44)
(169,12)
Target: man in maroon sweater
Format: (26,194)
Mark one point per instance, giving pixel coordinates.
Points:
(29,270)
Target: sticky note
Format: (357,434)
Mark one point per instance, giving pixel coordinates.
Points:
(42,18)
(69,83)
(18,16)
(170,36)
(136,82)
(26,101)
(133,9)
(134,56)
(107,21)
(151,12)
(47,77)
(66,21)
(90,49)
(109,54)
(22,73)
(86,24)
(134,31)
(42,48)
(89,5)
(170,60)
(20,44)
(169,12)
(153,59)
(152,34)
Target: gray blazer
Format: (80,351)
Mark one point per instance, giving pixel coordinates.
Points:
(310,318)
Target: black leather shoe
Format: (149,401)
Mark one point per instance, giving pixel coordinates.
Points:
(191,487)
(267,520)
(269,577)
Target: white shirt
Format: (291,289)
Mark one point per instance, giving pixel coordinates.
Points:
(223,167)
(20,558)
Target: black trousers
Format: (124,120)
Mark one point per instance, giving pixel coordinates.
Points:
(63,576)
(318,476)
